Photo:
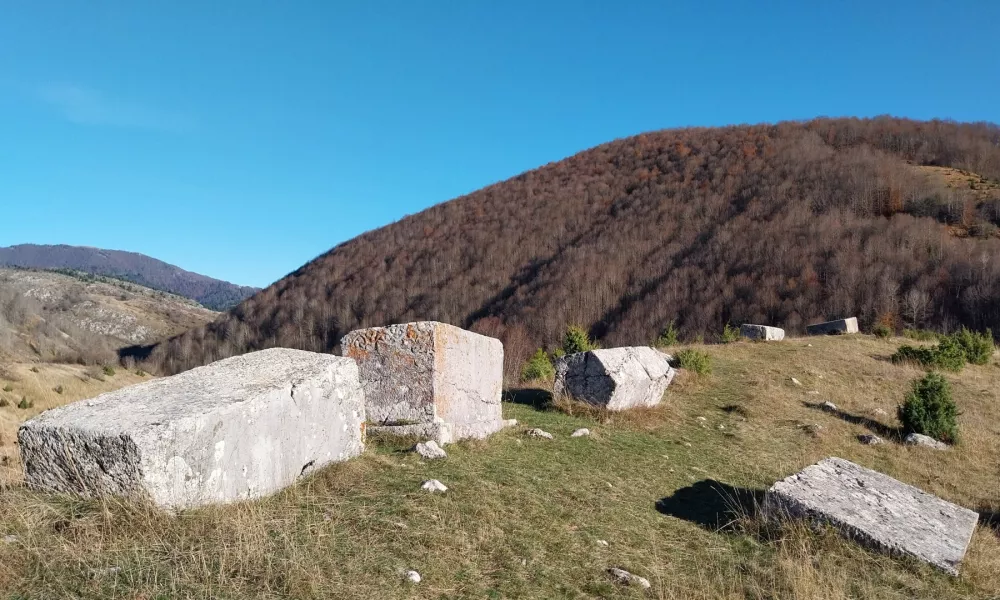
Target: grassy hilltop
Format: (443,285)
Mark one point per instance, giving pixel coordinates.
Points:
(669,489)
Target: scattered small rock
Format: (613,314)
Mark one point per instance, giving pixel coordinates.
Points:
(433,485)
(583,431)
(10,539)
(538,433)
(625,578)
(919,439)
(878,412)
(813,392)
(602,543)
(327,517)
(721,426)
(829,406)
(869,439)
(796,381)
(105,571)
(812,429)
(701,418)
(430,450)
(412,576)
(809,345)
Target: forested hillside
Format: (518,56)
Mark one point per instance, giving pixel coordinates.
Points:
(786,224)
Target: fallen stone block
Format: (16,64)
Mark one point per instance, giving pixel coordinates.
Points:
(919,439)
(762,333)
(876,510)
(239,428)
(615,378)
(429,379)
(838,327)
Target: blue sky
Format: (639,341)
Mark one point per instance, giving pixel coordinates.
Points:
(242,139)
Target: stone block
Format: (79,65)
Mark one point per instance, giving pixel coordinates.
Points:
(762,333)
(838,327)
(615,378)
(876,510)
(429,379)
(239,428)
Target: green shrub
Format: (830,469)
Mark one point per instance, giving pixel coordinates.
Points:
(948,355)
(668,337)
(34,369)
(58,389)
(921,335)
(539,366)
(977,347)
(108,370)
(4,402)
(8,388)
(140,372)
(882,331)
(25,403)
(730,334)
(693,360)
(929,409)
(576,340)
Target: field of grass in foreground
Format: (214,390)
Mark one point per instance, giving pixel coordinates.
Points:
(523,517)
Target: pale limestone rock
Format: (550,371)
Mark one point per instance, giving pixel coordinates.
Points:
(762,333)
(919,439)
(433,485)
(615,378)
(538,433)
(429,450)
(625,578)
(582,432)
(840,326)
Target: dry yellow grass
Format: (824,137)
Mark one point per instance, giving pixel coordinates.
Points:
(19,380)
(522,516)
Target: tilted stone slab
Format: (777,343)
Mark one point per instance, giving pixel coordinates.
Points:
(238,428)
(615,378)
(762,333)
(840,326)
(876,510)
(428,378)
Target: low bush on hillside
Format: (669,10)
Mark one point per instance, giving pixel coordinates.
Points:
(977,347)
(929,409)
(952,351)
(882,331)
(668,337)
(4,403)
(538,367)
(693,360)
(25,403)
(109,371)
(921,335)
(58,389)
(576,340)
(8,388)
(730,334)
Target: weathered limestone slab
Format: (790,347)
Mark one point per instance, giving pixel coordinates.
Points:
(762,333)
(615,378)
(876,510)
(837,327)
(238,428)
(429,379)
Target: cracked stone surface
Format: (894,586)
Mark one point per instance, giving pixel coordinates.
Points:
(429,375)
(876,510)
(840,326)
(762,333)
(615,378)
(625,578)
(919,439)
(538,433)
(433,485)
(239,428)
(429,450)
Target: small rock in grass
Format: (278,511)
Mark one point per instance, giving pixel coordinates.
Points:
(625,578)
(10,539)
(538,433)
(919,439)
(583,431)
(878,412)
(721,426)
(869,439)
(430,450)
(701,418)
(829,406)
(602,543)
(813,392)
(433,485)
(796,381)
(412,576)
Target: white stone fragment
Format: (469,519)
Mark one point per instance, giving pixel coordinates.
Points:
(919,439)
(429,379)
(433,485)
(538,433)
(582,432)
(412,576)
(239,428)
(615,378)
(876,510)
(625,578)
(429,450)
(870,439)
(762,333)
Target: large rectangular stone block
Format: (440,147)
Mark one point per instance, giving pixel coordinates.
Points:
(238,428)
(876,510)
(615,378)
(762,333)
(429,379)
(840,326)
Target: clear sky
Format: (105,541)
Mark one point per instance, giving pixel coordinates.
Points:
(241,139)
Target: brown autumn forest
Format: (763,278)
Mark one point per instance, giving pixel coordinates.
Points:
(782,224)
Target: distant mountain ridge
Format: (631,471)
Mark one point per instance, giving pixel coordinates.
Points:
(130,266)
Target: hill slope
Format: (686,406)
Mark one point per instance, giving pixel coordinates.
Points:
(130,266)
(784,224)
(46,316)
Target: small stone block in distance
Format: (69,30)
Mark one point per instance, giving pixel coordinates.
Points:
(876,510)
(615,378)
(838,327)
(762,333)
(428,378)
(239,428)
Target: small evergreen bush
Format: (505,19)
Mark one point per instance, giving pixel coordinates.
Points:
(539,366)
(34,369)
(882,331)
(730,334)
(668,337)
(4,402)
(977,347)
(25,403)
(58,389)
(929,409)
(576,340)
(693,360)
(921,335)
(140,372)
(8,388)
(108,370)
(948,355)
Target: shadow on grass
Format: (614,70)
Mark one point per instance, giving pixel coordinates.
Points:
(885,431)
(536,398)
(712,504)
(988,517)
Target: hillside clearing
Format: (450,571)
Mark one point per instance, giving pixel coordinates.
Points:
(522,517)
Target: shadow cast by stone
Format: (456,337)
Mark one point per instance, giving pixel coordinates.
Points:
(885,431)
(536,398)
(712,504)
(990,517)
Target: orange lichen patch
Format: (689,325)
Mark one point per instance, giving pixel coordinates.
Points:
(411,333)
